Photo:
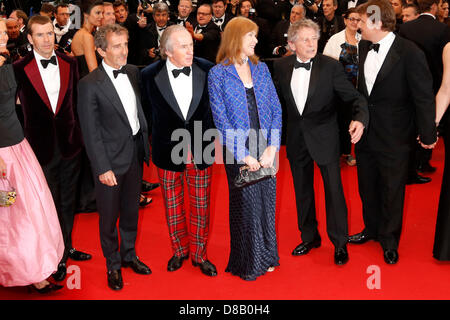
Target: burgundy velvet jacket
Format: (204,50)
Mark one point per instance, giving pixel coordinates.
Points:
(42,127)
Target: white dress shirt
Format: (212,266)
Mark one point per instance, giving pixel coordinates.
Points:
(127,96)
(375,60)
(300,85)
(51,78)
(219,23)
(181,87)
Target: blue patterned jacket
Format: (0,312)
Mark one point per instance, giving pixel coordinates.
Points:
(229,106)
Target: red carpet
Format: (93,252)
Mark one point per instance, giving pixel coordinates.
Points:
(314,276)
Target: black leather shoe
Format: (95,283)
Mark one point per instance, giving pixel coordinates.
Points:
(78,255)
(115,280)
(148,186)
(340,256)
(426,168)
(206,267)
(137,265)
(418,179)
(175,263)
(60,274)
(360,238)
(305,247)
(390,256)
(48,288)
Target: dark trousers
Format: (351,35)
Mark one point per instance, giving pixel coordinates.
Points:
(62,177)
(382,178)
(120,200)
(302,169)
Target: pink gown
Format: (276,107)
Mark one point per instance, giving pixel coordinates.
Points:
(31,243)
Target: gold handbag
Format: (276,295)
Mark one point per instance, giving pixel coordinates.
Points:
(8,197)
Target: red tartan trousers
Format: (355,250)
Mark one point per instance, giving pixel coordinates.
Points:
(193,239)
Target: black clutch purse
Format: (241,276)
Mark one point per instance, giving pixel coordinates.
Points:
(247,177)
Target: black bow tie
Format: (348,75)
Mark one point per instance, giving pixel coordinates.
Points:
(200,28)
(218,20)
(185,70)
(116,72)
(46,62)
(183,21)
(161,29)
(374,46)
(298,64)
(58,26)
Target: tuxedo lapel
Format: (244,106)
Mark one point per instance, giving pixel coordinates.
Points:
(288,69)
(64,74)
(163,84)
(389,62)
(313,80)
(363,50)
(109,91)
(32,71)
(198,84)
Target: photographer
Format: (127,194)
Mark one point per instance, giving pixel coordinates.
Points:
(149,43)
(279,35)
(17,44)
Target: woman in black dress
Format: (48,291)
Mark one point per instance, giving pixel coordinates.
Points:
(245,104)
(441,249)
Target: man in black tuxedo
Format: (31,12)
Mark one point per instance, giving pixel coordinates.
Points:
(185,13)
(205,33)
(220,16)
(176,100)
(309,83)
(431,36)
(395,79)
(115,135)
(63,31)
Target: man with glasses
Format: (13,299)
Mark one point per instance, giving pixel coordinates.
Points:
(310,83)
(205,33)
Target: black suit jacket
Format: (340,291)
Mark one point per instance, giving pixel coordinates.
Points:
(208,47)
(401,97)
(431,36)
(106,130)
(66,40)
(279,34)
(318,122)
(164,114)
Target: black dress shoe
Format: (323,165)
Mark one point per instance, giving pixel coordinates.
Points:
(426,168)
(48,288)
(305,247)
(137,265)
(115,280)
(340,256)
(148,186)
(60,274)
(175,263)
(418,179)
(78,255)
(390,256)
(206,267)
(360,238)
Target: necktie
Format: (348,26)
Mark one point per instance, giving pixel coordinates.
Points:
(185,70)
(116,72)
(181,21)
(46,62)
(218,20)
(58,26)
(298,64)
(375,47)
(161,29)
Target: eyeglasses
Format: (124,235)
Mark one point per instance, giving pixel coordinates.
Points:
(354,19)
(203,13)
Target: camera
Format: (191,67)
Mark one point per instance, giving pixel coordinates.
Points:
(144,4)
(157,52)
(282,50)
(308,3)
